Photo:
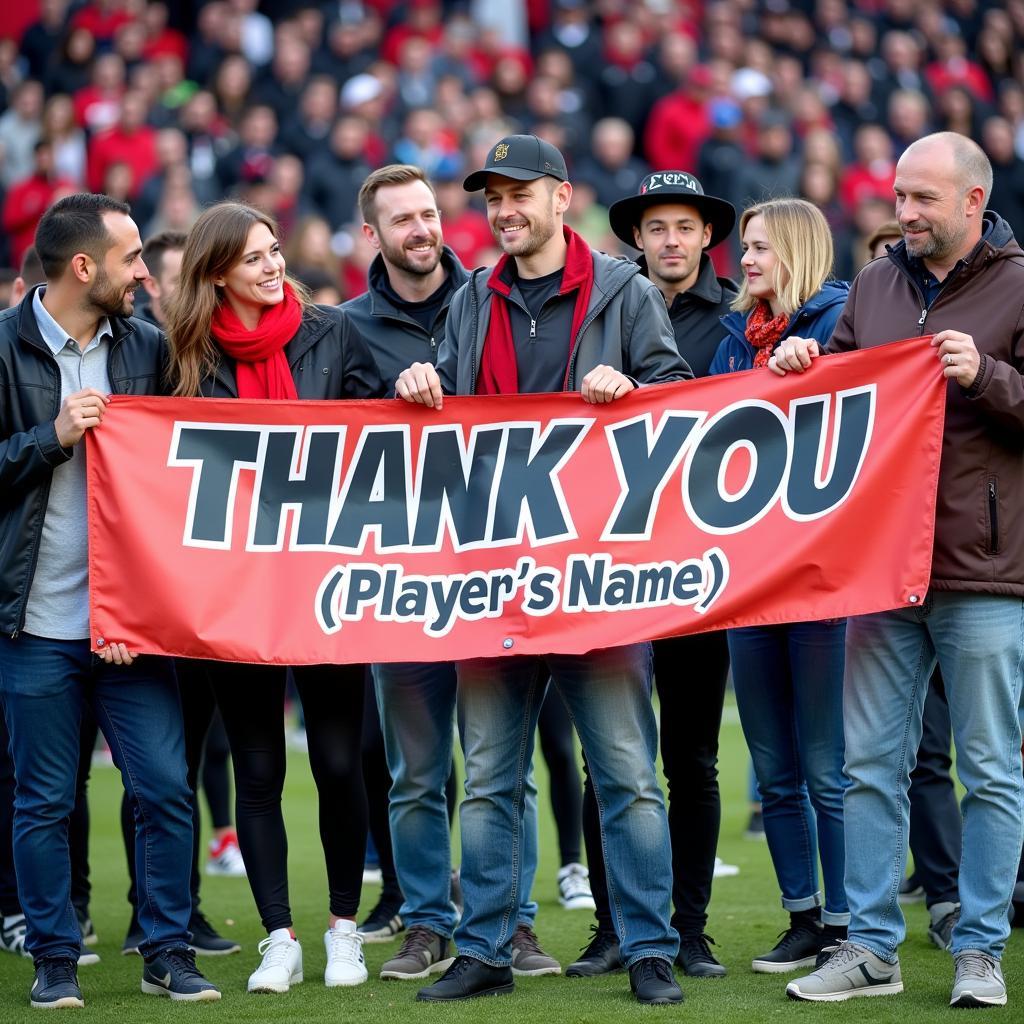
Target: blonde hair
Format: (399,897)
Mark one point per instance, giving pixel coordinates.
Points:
(802,240)
(214,245)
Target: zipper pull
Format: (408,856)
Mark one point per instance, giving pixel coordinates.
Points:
(433,344)
(991,490)
(533,328)
(924,316)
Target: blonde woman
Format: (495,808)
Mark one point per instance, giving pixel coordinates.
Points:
(789,678)
(240,327)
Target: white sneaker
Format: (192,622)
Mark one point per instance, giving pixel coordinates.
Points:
(345,962)
(723,870)
(574,888)
(225,858)
(281,966)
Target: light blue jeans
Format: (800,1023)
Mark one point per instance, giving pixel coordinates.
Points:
(978,640)
(417,705)
(608,695)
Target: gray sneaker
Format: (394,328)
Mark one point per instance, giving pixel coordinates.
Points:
(528,959)
(850,971)
(944,917)
(421,954)
(978,981)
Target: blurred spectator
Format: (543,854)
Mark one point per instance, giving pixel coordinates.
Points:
(679,122)
(20,130)
(1007,196)
(171,152)
(872,172)
(958,111)
(417,83)
(98,105)
(466,230)
(28,200)
(422,20)
(953,68)
(773,171)
(909,117)
(426,143)
(101,19)
(178,208)
(232,86)
(206,51)
(282,84)
(162,255)
(252,156)
(612,170)
(255,31)
(626,79)
(69,68)
(335,176)
(307,128)
(573,30)
(66,138)
(308,250)
(131,141)
(42,39)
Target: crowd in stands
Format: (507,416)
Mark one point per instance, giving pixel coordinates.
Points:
(289,104)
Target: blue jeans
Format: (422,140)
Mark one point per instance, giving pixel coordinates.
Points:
(608,694)
(44,685)
(978,640)
(789,692)
(417,704)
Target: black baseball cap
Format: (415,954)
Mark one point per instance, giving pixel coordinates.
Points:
(523,157)
(672,187)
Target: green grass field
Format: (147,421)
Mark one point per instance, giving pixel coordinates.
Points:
(745,918)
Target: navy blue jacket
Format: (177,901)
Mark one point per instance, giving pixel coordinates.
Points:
(816,319)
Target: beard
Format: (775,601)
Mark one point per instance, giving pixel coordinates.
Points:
(398,257)
(942,239)
(108,299)
(537,234)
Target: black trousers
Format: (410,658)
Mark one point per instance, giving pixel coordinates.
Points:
(690,673)
(251,701)
(935,823)
(566,786)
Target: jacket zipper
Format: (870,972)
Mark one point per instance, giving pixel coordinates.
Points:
(993,514)
(570,383)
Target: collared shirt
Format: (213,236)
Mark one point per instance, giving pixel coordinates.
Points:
(58,601)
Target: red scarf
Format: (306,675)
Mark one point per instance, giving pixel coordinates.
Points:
(261,368)
(499,374)
(763,331)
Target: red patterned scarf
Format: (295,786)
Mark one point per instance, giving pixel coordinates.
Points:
(763,331)
(261,368)
(499,374)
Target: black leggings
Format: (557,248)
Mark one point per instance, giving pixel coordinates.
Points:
(251,701)
(216,774)
(556,743)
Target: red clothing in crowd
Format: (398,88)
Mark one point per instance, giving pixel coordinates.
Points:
(469,236)
(96,109)
(26,202)
(943,75)
(675,130)
(866,181)
(101,25)
(137,149)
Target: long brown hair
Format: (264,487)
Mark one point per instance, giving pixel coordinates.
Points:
(214,245)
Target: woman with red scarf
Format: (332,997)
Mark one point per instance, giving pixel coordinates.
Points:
(789,678)
(241,328)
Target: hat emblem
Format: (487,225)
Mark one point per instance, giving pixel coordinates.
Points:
(500,151)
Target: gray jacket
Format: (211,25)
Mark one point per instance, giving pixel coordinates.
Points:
(626,327)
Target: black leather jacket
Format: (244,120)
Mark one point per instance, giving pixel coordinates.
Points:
(29,450)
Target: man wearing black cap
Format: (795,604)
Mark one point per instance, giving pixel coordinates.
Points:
(673,222)
(554,315)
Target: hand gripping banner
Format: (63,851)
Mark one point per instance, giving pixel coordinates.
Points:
(333,532)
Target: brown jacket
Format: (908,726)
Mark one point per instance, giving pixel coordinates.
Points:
(979,540)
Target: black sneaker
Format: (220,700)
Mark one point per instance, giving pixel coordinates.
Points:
(755,826)
(174,973)
(911,890)
(468,978)
(653,982)
(206,941)
(383,923)
(600,956)
(56,984)
(798,946)
(696,959)
(944,917)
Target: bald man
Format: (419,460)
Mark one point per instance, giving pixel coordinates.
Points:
(958,275)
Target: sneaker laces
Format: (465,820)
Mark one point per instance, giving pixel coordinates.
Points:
(344,945)
(275,952)
(380,916)
(599,944)
(697,946)
(574,883)
(417,940)
(654,967)
(59,971)
(845,953)
(183,961)
(525,939)
(975,965)
(794,933)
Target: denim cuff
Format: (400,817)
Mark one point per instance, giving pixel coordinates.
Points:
(804,903)
(835,920)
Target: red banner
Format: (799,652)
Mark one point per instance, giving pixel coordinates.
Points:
(308,532)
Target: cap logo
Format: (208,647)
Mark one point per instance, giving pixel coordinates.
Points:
(500,151)
(656,181)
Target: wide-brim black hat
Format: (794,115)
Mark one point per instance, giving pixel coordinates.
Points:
(672,187)
(523,157)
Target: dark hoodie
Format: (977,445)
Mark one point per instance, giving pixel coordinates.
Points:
(394,337)
(696,313)
(978,543)
(814,319)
